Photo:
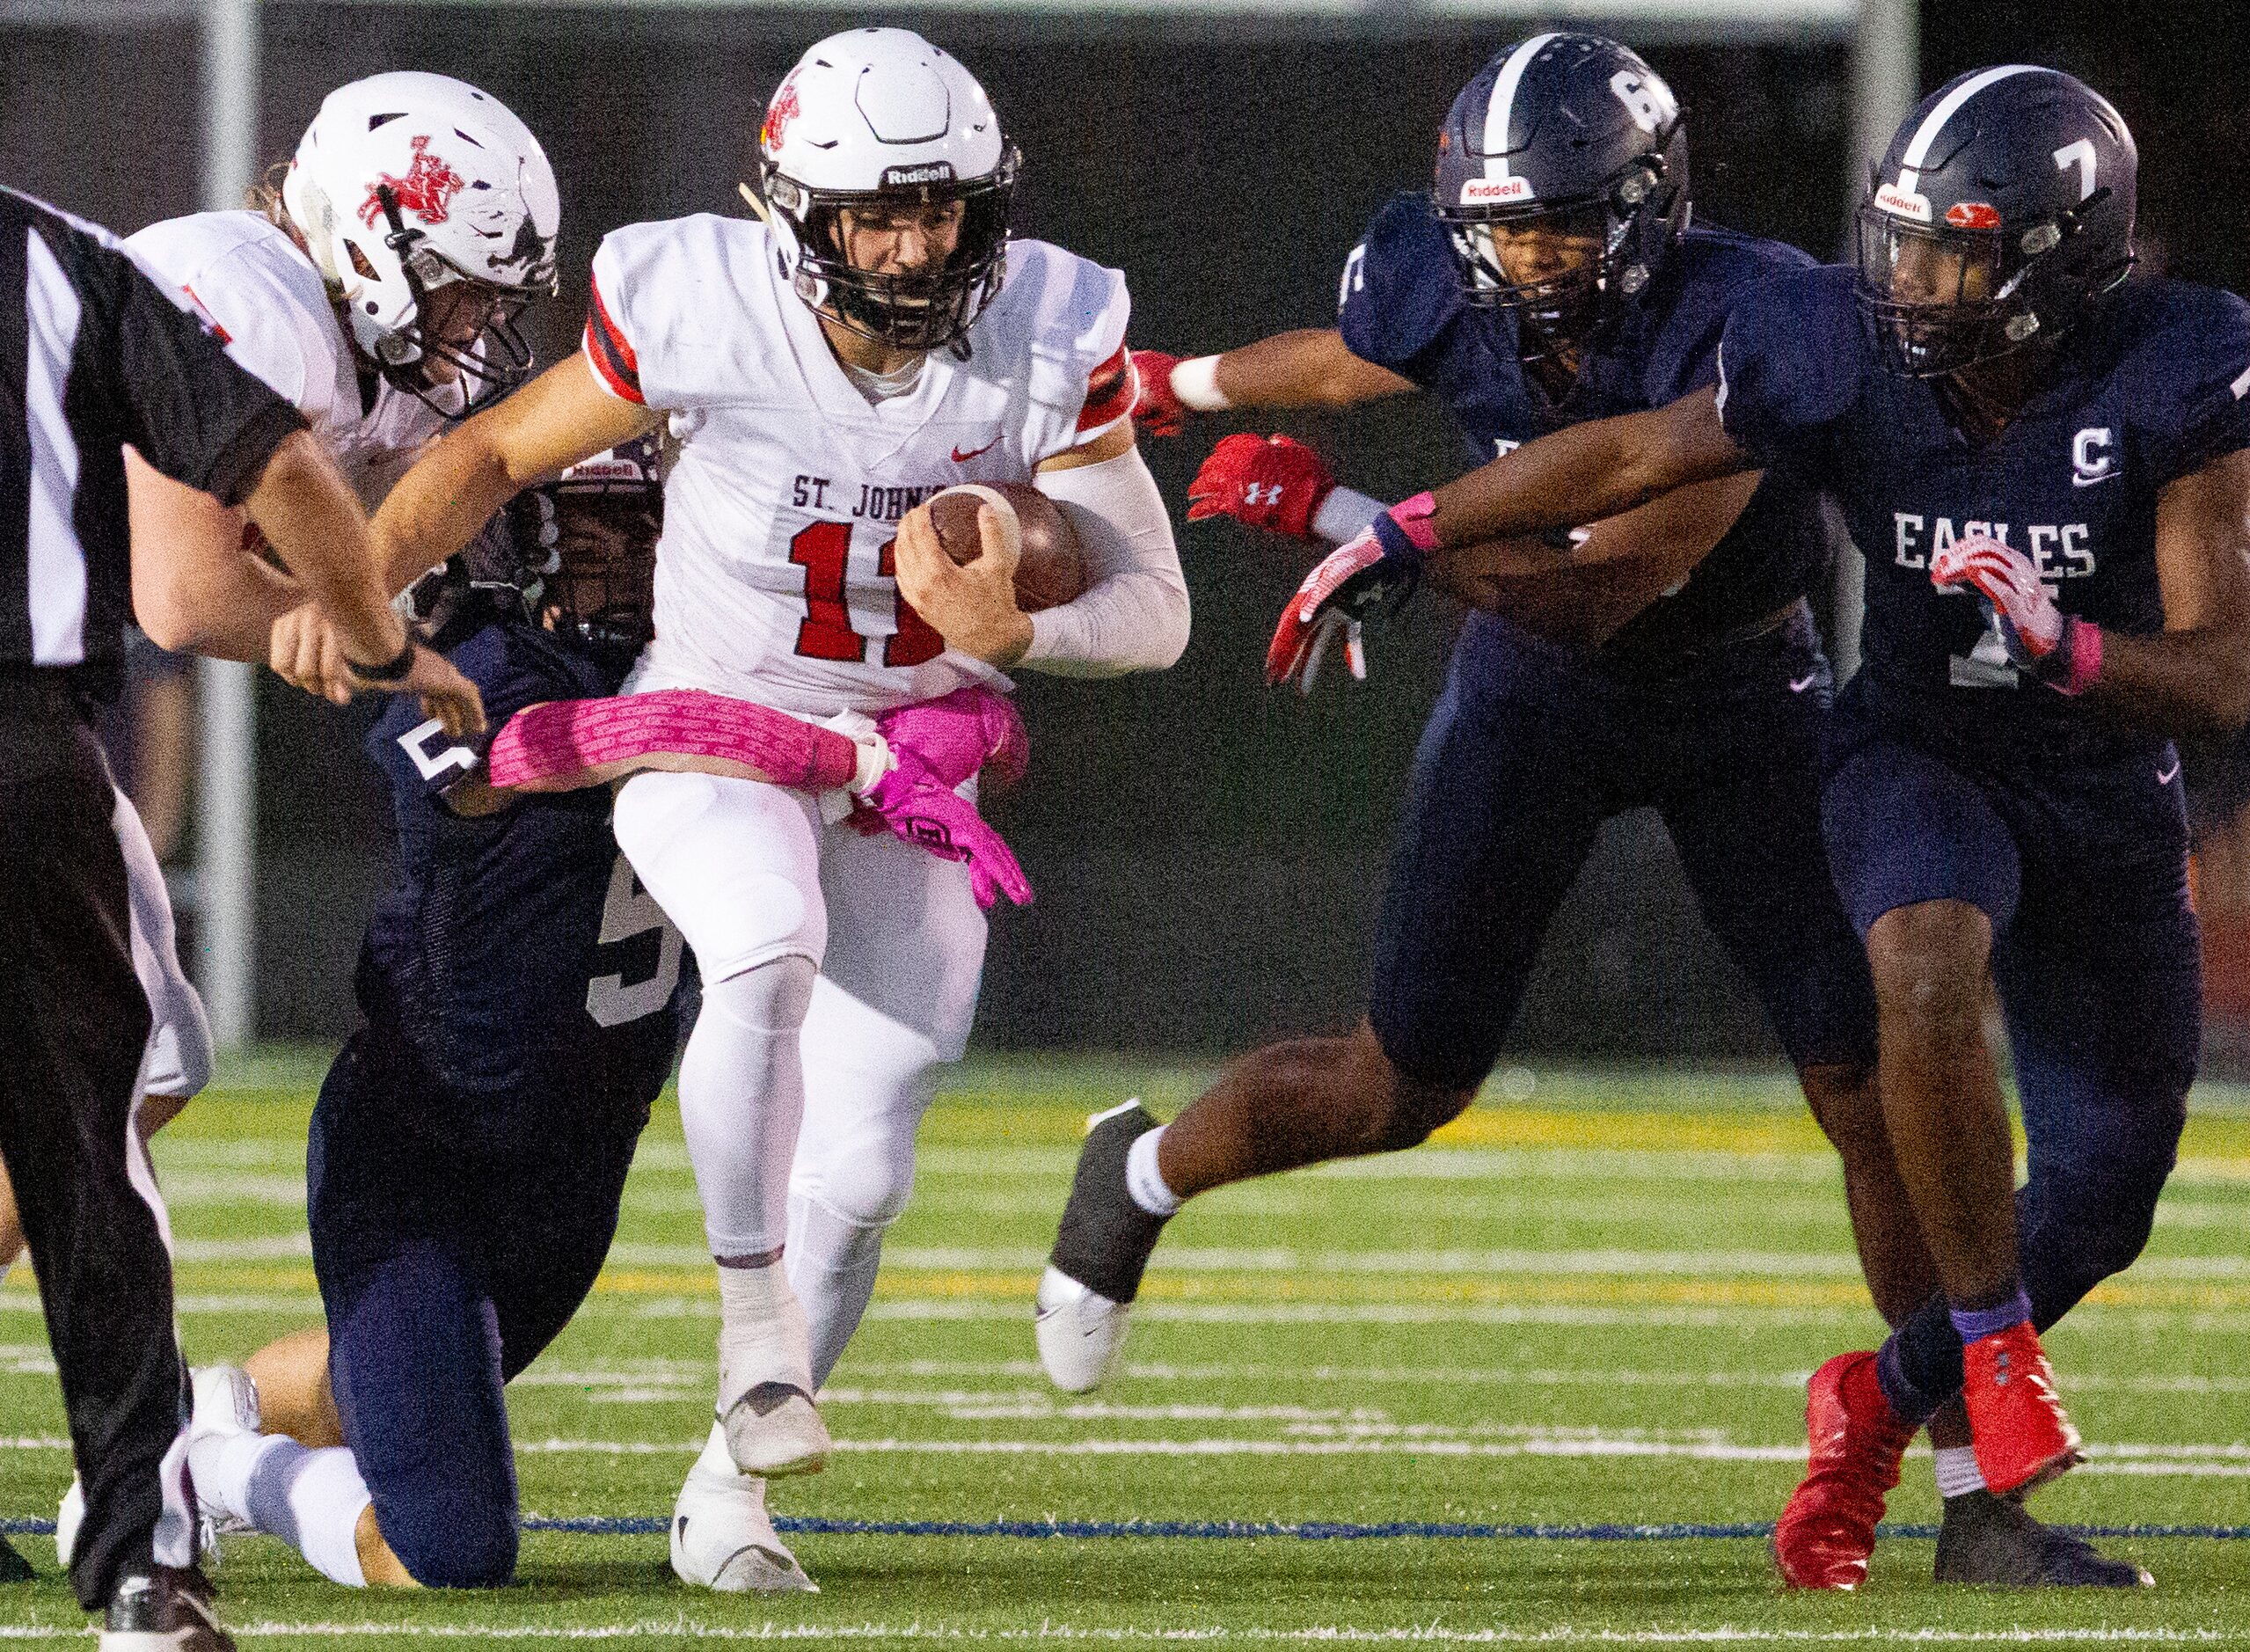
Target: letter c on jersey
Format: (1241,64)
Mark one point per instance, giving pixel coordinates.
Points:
(2093,456)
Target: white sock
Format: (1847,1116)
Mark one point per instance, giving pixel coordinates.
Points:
(715,1458)
(1143,1181)
(832,1266)
(222,1465)
(762,1333)
(743,1102)
(313,1500)
(1957,1470)
(4,1266)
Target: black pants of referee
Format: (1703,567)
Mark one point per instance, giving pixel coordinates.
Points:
(73,1020)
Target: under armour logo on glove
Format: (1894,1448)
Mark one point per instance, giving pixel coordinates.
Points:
(1268,482)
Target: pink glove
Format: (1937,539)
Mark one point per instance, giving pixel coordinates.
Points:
(959,735)
(1270,482)
(2051,647)
(921,809)
(1157,409)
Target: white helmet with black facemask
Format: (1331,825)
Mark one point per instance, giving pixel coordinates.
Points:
(878,121)
(432,213)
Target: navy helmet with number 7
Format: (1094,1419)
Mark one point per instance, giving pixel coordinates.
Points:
(1572,135)
(2001,213)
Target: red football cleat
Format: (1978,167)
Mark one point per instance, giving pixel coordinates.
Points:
(1825,1535)
(2022,1438)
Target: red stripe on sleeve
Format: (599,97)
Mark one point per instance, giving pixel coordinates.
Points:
(611,352)
(1111,390)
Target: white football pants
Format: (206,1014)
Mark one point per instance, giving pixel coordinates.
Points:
(750,875)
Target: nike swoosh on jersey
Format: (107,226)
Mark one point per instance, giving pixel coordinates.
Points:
(1798,685)
(962,458)
(2090,481)
(2166,777)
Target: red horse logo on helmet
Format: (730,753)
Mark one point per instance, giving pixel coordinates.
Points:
(425,191)
(778,114)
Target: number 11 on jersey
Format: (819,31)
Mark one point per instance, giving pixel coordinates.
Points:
(823,550)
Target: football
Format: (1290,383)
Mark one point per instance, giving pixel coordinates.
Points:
(1052,570)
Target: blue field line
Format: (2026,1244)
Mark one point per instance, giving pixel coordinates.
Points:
(1309,1530)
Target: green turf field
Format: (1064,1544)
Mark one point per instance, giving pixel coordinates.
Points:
(1590,1306)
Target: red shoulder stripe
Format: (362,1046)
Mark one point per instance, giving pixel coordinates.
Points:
(1111,390)
(611,352)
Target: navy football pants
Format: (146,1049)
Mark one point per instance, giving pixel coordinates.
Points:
(2096,961)
(1527,752)
(444,1274)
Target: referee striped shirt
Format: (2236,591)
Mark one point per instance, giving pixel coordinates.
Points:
(93,355)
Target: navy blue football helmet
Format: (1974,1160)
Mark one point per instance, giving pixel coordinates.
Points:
(577,553)
(2000,214)
(1575,134)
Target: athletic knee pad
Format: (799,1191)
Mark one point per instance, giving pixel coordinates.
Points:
(453,1541)
(868,1080)
(414,1358)
(734,864)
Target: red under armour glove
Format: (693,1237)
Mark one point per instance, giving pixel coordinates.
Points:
(1268,482)
(2046,644)
(1159,409)
(918,808)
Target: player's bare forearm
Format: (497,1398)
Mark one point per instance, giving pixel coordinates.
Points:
(314,522)
(1311,368)
(559,418)
(1583,594)
(2194,677)
(195,588)
(1589,472)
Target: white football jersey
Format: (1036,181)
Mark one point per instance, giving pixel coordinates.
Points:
(265,302)
(773,576)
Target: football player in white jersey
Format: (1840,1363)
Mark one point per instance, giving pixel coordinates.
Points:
(377,290)
(876,338)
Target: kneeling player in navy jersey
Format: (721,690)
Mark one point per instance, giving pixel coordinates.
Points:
(1668,661)
(2048,467)
(470,1145)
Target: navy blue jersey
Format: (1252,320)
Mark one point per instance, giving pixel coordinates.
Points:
(2151,390)
(517,961)
(1402,307)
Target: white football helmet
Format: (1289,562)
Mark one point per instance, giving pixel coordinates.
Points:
(877,119)
(406,183)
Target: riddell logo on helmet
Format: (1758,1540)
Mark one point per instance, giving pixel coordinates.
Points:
(907,176)
(1903,203)
(427,190)
(1477,190)
(778,114)
(1973,214)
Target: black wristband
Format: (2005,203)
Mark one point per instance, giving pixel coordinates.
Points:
(394,670)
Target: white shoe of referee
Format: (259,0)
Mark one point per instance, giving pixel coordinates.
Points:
(722,1538)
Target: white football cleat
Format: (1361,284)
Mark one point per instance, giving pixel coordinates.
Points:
(225,1401)
(1081,1333)
(775,1430)
(723,1540)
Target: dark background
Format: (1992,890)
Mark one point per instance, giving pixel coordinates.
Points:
(1207,853)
